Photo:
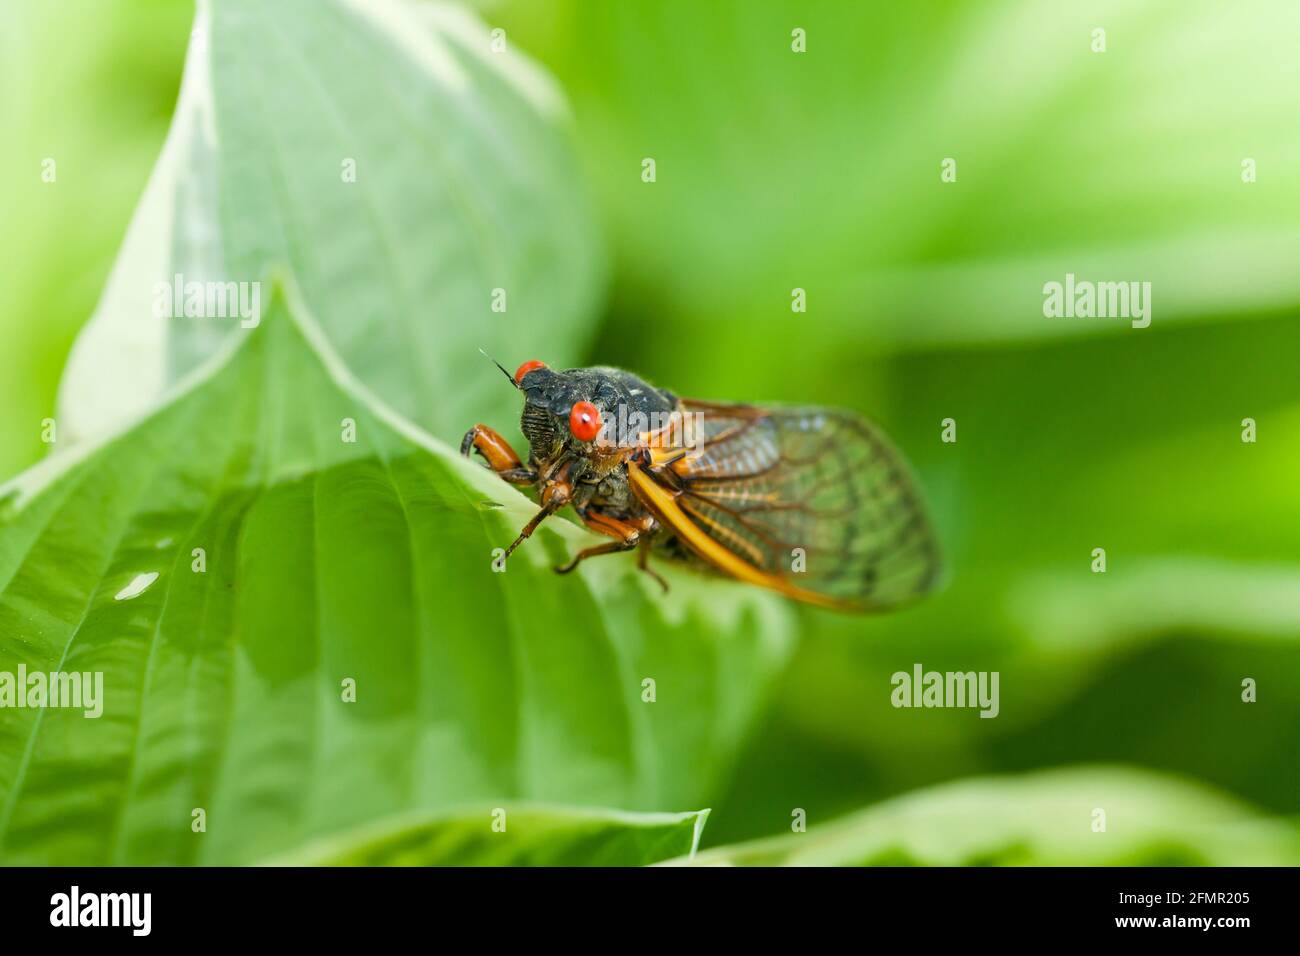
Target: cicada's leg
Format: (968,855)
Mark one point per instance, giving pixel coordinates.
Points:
(614,547)
(496,451)
(643,563)
(627,534)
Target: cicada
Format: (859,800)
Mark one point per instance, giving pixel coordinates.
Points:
(812,502)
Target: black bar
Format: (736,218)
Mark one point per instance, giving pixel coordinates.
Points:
(335,905)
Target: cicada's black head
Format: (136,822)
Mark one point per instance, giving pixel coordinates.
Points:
(574,412)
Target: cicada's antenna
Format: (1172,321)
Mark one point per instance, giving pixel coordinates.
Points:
(502,367)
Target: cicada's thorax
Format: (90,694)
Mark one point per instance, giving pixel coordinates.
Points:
(596,468)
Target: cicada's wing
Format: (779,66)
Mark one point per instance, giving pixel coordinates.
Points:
(812,502)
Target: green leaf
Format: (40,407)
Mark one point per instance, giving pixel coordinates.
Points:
(532,836)
(1158,595)
(1041,819)
(329,561)
(404,172)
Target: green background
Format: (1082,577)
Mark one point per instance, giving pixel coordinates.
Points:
(821,171)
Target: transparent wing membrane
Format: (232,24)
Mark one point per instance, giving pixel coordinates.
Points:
(817,499)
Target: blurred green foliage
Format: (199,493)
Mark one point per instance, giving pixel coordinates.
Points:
(821,171)
(92,86)
(1042,819)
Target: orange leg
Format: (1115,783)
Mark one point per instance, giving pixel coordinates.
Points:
(643,563)
(627,535)
(614,547)
(555,496)
(496,451)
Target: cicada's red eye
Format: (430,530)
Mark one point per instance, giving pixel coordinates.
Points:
(526,368)
(584,421)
